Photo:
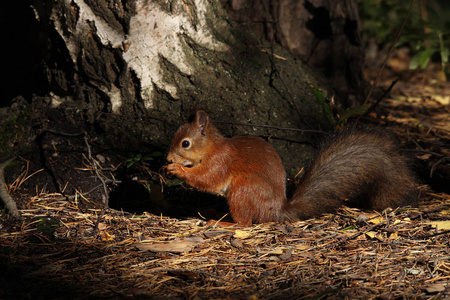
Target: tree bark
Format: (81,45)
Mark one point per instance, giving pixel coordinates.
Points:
(132,71)
(324,34)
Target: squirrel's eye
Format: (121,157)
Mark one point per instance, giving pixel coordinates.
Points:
(185,144)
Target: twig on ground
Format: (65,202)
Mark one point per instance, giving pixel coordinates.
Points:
(105,188)
(94,165)
(88,192)
(374,105)
(10,204)
(433,167)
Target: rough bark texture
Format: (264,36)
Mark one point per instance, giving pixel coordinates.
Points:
(131,71)
(325,34)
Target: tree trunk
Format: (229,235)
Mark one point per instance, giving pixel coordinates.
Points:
(324,34)
(132,71)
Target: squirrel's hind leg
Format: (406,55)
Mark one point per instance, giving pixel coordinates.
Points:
(249,203)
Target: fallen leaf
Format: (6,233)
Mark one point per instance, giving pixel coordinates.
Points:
(287,255)
(440,225)
(412,99)
(424,157)
(175,246)
(237,243)
(190,232)
(393,236)
(102,226)
(302,247)
(196,239)
(444,100)
(376,220)
(216,233)
(242,234)
(279,250)
(371,234)
(105,236)
(436,288)
(413,271)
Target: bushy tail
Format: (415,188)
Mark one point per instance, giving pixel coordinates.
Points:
(361,168)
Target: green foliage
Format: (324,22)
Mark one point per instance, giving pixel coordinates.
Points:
(421,59)
(427,38)
(435,41)
(47,226)
(142,159)
(351,227)
(174,182)
(353,112)
(138,217)
(320,96)
(380,19)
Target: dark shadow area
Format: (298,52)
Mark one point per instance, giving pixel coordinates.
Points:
(25,280)
(21,68)
(134,197)
(434,174)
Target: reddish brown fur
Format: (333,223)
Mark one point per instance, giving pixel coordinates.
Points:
(362,166)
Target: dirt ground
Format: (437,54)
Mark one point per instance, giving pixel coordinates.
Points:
(158,243)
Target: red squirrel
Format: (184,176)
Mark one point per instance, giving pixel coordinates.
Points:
(361,167)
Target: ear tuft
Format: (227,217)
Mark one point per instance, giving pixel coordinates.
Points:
(193,113)
(201,118)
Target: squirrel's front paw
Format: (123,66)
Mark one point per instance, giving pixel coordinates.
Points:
(173,169)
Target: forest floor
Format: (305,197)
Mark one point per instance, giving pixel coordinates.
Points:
(67,247)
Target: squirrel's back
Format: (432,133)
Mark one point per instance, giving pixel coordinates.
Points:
(358,167)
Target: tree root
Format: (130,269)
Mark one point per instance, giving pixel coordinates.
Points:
(10,204)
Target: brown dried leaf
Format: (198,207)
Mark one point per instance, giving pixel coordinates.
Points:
(237,243)
(436,288)
(175,246)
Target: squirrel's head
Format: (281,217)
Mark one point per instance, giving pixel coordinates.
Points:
(191,141)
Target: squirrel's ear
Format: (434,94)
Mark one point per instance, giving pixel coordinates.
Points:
(202,120)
